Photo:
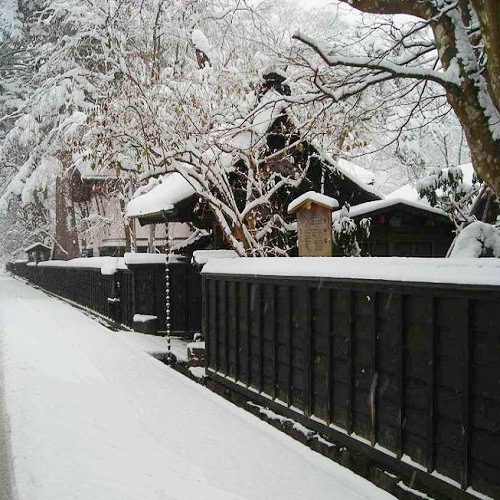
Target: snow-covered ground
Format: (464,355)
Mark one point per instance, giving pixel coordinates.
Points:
(155,345)
(92,416)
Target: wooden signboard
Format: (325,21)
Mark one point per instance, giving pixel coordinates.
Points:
(314,224)
(314,228)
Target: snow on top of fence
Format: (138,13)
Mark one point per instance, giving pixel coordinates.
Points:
(145,258)
(421,270)
(109,269)
(202,256)
(88,262)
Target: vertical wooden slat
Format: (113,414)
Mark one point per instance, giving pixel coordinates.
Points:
(248,364)
(308,354)
(205,319)
(275,339)
(330,356)
(133,296)
(236,334)
(224,323)
(466,395)
(431,388)
(400,367)
(259,315)
(215,286)
(289,315)
(350,363)
(374,369)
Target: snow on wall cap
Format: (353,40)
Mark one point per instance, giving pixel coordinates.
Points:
(36,245)
(464,271)
(145,258)
(86,262)
(202,256)
(312,197)
(108,269)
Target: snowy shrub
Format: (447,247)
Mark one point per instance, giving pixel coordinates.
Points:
(347,234)
(445,189)
(477,240)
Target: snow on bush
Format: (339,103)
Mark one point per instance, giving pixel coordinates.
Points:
(477,240)
(347,234)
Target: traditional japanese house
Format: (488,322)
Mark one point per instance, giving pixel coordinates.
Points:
(404,228)
(269,130)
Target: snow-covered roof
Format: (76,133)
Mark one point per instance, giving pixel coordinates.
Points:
(172,189)
(89,172)
(314,197)
(248,134)
(192,238)
(270,107)
(347,170)
(360,173)
(373,206)
(37,245)
(255,127)
(409,191)
(406,192)
(410,269)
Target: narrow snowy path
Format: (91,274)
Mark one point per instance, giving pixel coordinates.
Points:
(91,417)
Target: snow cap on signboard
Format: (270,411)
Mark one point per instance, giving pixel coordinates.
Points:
(313,197)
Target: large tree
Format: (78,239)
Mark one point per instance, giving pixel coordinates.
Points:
(451,44)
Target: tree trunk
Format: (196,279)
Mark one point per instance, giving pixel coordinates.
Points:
(479,83)
(67,246)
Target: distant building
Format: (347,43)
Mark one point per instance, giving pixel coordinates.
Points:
(404,228)
(90,218)
(38,252)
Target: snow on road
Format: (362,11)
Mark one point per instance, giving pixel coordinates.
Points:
(94,418)
(6,490)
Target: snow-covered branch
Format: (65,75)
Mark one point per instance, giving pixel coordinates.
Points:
(396,70)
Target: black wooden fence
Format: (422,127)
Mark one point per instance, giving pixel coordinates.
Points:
(185,294)
(138,289)
(393,370)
